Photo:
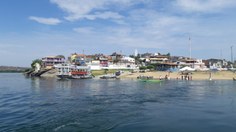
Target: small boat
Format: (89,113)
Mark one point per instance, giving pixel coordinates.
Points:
(108,77)
(144,77)
(148,79)
(151,80)
(69,71)
(234,79)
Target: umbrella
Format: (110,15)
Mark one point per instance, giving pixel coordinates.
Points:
(187,69)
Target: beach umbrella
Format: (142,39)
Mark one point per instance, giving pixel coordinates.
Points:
(187,69)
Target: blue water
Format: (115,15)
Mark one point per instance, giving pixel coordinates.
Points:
(116,105)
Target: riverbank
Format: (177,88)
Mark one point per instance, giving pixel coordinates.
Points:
(219,75)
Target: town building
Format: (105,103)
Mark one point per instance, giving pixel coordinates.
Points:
(49,61)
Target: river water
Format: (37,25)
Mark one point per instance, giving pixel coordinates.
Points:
(116,105)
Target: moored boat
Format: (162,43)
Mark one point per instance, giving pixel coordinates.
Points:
(148,79)
(109,77)
(151,80)
(69,71)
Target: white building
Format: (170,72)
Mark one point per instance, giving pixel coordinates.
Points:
(128,60)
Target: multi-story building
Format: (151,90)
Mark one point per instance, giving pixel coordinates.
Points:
(49,61)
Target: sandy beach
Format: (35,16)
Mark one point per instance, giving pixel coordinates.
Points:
(219,75)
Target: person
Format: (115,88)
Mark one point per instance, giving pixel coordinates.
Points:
(210,76)
(160,77)
(166,77)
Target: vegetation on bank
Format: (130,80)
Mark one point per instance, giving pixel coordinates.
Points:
(12,69)
(102,72)
(36,61)
(150,67)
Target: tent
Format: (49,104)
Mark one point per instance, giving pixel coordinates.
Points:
(187,69)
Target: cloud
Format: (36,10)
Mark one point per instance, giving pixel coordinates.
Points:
(165,27)
(47,21)
(205,5)
(104,15)
(92,9)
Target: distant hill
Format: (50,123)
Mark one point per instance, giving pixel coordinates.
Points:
(12,69)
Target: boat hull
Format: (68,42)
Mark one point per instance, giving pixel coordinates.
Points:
(73,77)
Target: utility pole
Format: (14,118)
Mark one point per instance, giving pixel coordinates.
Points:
(232,58)
(190,48)
(221,55)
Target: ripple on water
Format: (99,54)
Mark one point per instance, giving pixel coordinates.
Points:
(94,105)
(67,127)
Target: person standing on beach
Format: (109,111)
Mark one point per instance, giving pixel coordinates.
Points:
(210,76)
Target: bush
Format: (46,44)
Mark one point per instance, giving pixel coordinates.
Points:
(150,67)
(142,68)
(34,62)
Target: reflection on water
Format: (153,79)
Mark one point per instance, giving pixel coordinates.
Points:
(40,104)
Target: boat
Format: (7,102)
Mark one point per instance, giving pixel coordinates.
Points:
(234,79)
(151,80)
(108,77)
(148,79)
(70,71)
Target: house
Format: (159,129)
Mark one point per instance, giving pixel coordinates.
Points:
(166,66)
(158,59)
(116,57)
(78,59)
(216,63)
(49,61)
(146,55)
(199,65)
(126,59)
(103,61)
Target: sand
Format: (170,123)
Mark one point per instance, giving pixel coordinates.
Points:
(219,75)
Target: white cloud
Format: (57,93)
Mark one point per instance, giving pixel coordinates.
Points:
(104,15)
(148,26)
(80,9)
(47,21)
(205,5)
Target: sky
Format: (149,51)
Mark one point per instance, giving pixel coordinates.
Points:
(32,29)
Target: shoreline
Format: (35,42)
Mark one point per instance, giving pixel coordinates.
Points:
(199,75)
(219,75)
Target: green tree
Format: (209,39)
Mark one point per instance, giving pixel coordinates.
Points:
(61,56)
(36,61)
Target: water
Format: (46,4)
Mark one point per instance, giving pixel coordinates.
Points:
(116,105)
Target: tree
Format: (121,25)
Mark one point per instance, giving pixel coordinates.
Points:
(61,56)
(39,61)
(150,67)
(168,54)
